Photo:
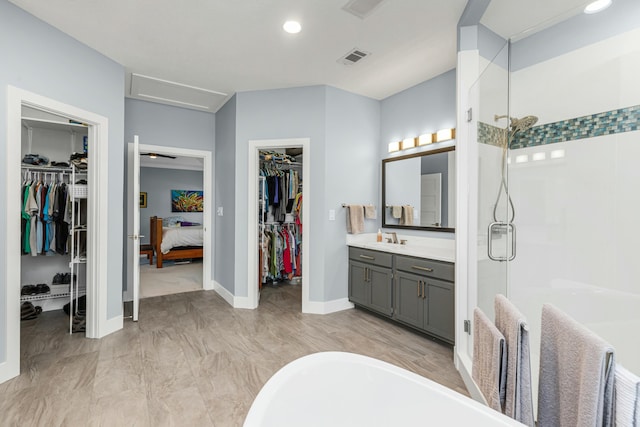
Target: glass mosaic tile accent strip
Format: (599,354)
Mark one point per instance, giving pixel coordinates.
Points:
(606,123)
(491,135)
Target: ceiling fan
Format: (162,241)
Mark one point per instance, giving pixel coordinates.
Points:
(154,155)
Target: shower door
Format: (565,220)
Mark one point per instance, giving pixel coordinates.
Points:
(491,226)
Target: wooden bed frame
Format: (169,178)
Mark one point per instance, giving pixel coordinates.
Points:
(175,253)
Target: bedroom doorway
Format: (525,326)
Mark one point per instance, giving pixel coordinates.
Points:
(170,179)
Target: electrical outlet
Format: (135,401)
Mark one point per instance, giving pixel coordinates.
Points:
(219,211)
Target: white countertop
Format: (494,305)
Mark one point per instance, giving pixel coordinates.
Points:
(422,247)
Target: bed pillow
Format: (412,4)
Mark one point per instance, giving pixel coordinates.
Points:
(189,224)
(172,221)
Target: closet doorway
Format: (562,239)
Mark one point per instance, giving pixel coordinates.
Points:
(94,248)
(282,223)
(166,175)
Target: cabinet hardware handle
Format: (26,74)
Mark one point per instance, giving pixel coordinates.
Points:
(419,283)
(422,268)
(367,257)
(366,274)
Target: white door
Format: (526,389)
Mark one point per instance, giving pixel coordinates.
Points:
(431,199)
(135,206)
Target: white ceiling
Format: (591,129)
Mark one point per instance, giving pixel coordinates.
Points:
(228,46)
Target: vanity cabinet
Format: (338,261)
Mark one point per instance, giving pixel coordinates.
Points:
(424,295)
(417,292)
(370,280)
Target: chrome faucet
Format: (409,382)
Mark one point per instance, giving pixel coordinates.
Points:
(394,237)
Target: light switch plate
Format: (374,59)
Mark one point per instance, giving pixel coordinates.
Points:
(332,214)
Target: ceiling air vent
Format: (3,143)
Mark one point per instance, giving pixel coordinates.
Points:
(361,8)
(353,56)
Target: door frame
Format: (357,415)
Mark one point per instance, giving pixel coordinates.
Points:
(97,218)
(208,229)
(252,206)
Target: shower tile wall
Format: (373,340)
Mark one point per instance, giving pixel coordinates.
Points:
(606,123)
(573,179)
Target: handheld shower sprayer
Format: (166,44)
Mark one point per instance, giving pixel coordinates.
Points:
(515,125)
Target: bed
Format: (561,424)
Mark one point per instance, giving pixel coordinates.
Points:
(170,243)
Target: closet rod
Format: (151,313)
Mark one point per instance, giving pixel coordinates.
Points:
(45,169)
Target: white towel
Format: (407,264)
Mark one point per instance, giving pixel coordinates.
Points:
(396,211)
(488,369)
(370,212)
(517,399)
(627,398)
(576,373)
(355,219)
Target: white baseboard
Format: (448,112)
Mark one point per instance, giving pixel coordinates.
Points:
(223,292)
(464,365)
(7,371)
(111,326)
(315,307)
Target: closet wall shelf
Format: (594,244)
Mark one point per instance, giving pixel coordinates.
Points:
(53,125)
(28,167)
(43,297)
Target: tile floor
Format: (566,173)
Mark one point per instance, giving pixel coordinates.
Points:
(192,360)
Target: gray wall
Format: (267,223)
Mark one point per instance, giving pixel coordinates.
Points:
(168,126)
(158,183)
(574,33)
(351,175)
(43,60)
(225,195)
(343,129)
(281,114)
(424,108)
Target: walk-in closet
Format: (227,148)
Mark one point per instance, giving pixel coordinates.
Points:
(280,218)
(53,204)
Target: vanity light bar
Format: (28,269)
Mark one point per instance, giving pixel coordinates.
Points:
(424,139)
(408,143)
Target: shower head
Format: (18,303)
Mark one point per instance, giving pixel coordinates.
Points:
(525,123)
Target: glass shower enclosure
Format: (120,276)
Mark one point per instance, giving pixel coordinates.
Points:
(555,130)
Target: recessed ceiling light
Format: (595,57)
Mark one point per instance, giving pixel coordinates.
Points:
(292,27)
(597,6)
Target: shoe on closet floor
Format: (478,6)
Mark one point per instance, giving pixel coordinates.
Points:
(28,311)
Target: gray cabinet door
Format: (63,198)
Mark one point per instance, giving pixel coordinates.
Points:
(440,308)
(357,286)
(409,302)
(380,289)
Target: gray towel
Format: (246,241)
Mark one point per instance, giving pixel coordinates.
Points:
(396,211)
(355,219)
(627,398)
(488,369)
(576,373)
(517,399)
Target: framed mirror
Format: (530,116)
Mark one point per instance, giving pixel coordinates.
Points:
(418,191)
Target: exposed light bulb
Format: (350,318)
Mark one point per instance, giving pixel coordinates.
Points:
(597,6)
(292,27)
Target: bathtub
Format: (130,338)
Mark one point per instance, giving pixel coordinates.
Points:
(345,389)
